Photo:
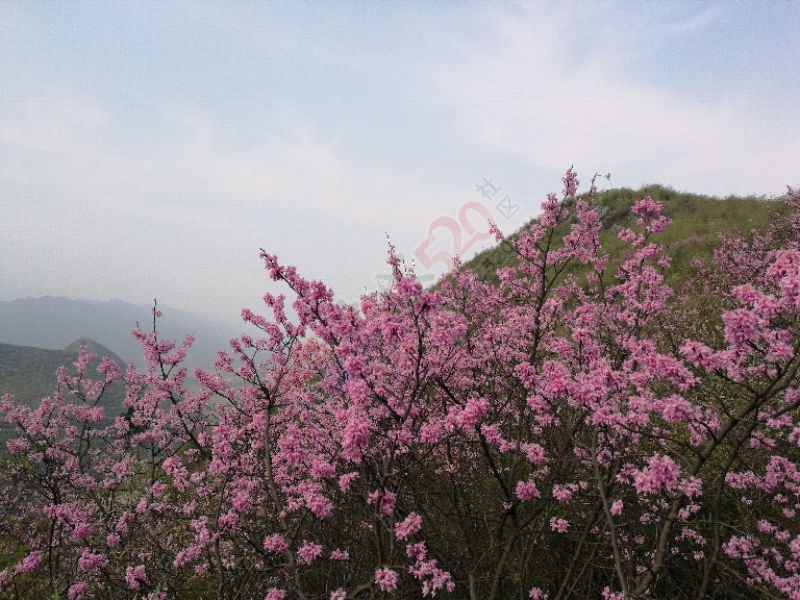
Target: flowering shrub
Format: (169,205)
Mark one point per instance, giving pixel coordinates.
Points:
(579,430)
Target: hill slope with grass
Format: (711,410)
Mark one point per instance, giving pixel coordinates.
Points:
(29,374)
(697,223)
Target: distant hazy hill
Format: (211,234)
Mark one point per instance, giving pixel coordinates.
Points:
(28,374)
(697,222)
(52,323)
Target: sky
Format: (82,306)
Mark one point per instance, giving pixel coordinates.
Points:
(151,149)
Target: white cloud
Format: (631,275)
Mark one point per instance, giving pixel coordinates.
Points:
(588,110)
(698,21)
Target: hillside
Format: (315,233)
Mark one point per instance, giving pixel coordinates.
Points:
(697,222)
(28,374)
(52,323)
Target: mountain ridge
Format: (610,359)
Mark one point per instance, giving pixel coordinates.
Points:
(53,322)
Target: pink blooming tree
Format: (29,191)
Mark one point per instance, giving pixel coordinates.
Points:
(579,430)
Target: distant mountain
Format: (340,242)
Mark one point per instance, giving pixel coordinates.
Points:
(52,323)
(94,348)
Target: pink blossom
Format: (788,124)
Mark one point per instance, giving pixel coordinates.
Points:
(676,409)
(275,543)
(794,547)
(472,413)
(562,493)
(356,437)
(571,183)
(408,526)
(17,445)
(29,563)
(386,579)
(742,326)
(526,490)
(81,530)
(338,554)
(186,556)
(416,551)
(610,595)
(738,546)
(559,525)
(570,364)
(77,590)
(346,480)
(308,552)
(135,577)
(430,432)
(535,453)
(386,501)
(660,474)
(320,506)
(229,519)
(275,594)
(90,561)
(691,487)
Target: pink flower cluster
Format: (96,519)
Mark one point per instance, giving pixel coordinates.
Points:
(386,579)
(577,402)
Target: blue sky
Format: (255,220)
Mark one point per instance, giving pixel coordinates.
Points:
(149,149)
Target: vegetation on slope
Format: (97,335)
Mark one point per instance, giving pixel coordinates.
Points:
(29,374)
(697,224)
(532,440)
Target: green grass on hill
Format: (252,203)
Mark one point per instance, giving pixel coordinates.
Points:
(697,223)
